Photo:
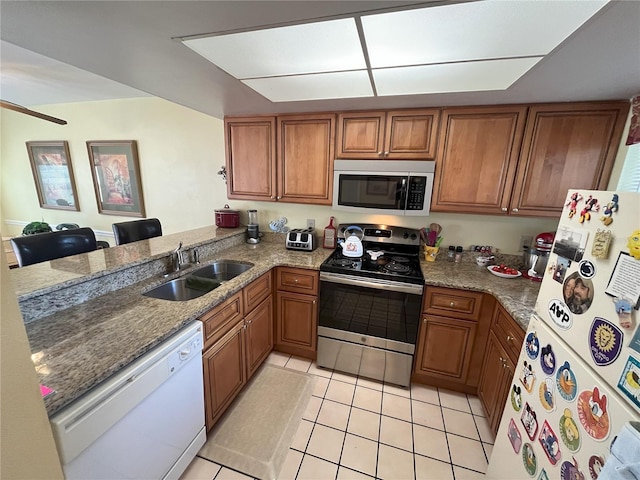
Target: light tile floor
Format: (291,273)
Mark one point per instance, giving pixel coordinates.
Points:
(355,428)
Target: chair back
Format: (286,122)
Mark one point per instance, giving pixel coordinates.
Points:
(43,247)
(127,232)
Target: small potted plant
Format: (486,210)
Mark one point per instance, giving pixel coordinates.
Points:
(36,227)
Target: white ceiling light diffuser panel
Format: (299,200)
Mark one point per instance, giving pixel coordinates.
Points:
(309,48)
(473,31)
(313,87)
(452,77)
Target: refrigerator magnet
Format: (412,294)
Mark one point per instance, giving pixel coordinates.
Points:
(514,436)
(548,360)
(629,382)
(570,471)
(566,382)
(601,244)
(593,414)
(550,443)
(635,341)
(572,203)
(529,459)
(529,420)
(609,209)
(532,345)
(527,376)
(623,282)
(570,242)
(633,242)
(596,462)
(547,394)
(587,269)
(569,431)
(591,205)
(516,397)
(559,313)
(624,310)
(605,342)
(578,293)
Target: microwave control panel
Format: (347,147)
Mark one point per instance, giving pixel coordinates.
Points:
(415,193)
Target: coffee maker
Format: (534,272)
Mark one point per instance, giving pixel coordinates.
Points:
(537,256)
(253,229)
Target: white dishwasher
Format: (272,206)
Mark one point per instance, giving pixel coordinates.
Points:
(145,422)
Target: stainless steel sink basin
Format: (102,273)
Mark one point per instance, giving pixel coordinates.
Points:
(222,270)
(181,289)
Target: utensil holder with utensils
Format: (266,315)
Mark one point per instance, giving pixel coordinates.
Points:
(430,253)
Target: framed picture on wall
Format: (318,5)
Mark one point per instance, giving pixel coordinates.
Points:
(53,175)
(116,177)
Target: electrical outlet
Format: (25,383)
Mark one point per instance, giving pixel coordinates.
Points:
(311,223)
(525,241)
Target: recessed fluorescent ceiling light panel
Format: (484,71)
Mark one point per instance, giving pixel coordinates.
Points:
(471,46)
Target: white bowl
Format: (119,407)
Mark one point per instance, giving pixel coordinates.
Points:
(484,261)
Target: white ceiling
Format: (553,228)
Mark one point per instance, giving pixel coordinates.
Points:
(121,49)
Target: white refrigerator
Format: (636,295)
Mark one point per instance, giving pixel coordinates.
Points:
(577,381)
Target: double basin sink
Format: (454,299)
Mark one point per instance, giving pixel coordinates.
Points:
(199,282)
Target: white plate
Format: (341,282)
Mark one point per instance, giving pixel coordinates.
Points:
(500,274)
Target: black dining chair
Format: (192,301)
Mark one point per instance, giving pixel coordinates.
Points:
(127,232)
(43,247)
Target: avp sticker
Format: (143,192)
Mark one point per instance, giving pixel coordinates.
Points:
(593,414)
(560,314)
(605,341)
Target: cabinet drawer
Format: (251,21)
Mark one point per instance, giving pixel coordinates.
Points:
(297,280)
(256,292)
(218,320)
(454,303)
(508,332)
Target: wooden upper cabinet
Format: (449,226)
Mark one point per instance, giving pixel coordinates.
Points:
(566,146)
(477,157)
(251,157)
(305,158)
(401,134)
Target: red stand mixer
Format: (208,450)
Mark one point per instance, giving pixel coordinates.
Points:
(537,256)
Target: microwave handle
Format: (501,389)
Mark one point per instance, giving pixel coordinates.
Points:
(403,194)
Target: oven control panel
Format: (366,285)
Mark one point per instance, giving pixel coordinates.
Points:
(301,239)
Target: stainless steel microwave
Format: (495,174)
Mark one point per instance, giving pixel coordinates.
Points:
(383,186)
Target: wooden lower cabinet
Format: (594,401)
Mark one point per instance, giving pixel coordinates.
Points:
(224,373)
(495,381)
(296,325)
(500,358)
(296,322)
(445,348)
(259,335)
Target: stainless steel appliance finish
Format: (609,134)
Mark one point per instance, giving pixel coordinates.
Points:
(370,309)
(301,239)
(391,187)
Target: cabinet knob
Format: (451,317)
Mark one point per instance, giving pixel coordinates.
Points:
(515,210)
(504,209)
(509,338)
(386,154)
(278,197)
(381,154)
(295,280)
(452,304)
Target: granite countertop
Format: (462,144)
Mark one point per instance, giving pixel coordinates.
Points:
(77,348)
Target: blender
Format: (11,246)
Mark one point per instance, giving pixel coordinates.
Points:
(253,229)
(537,256)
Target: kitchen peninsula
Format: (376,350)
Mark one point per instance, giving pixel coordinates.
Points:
(77,347)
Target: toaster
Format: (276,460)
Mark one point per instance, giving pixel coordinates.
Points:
(301,239)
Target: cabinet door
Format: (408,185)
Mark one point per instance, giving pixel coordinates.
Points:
(361,135)
(224,373)
(305,158)
(411,134)
(251,158)
(566,146)
(254,293)
(476,160)
(259,335)
(495,380)
(444,348)
(219,319)
(296,321)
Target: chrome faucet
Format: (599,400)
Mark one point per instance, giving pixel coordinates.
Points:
(178,259)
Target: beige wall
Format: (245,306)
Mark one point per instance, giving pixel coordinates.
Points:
(181,152)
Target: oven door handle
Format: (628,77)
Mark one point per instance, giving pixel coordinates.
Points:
(371,283)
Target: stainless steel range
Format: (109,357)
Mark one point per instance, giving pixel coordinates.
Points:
(370,304)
